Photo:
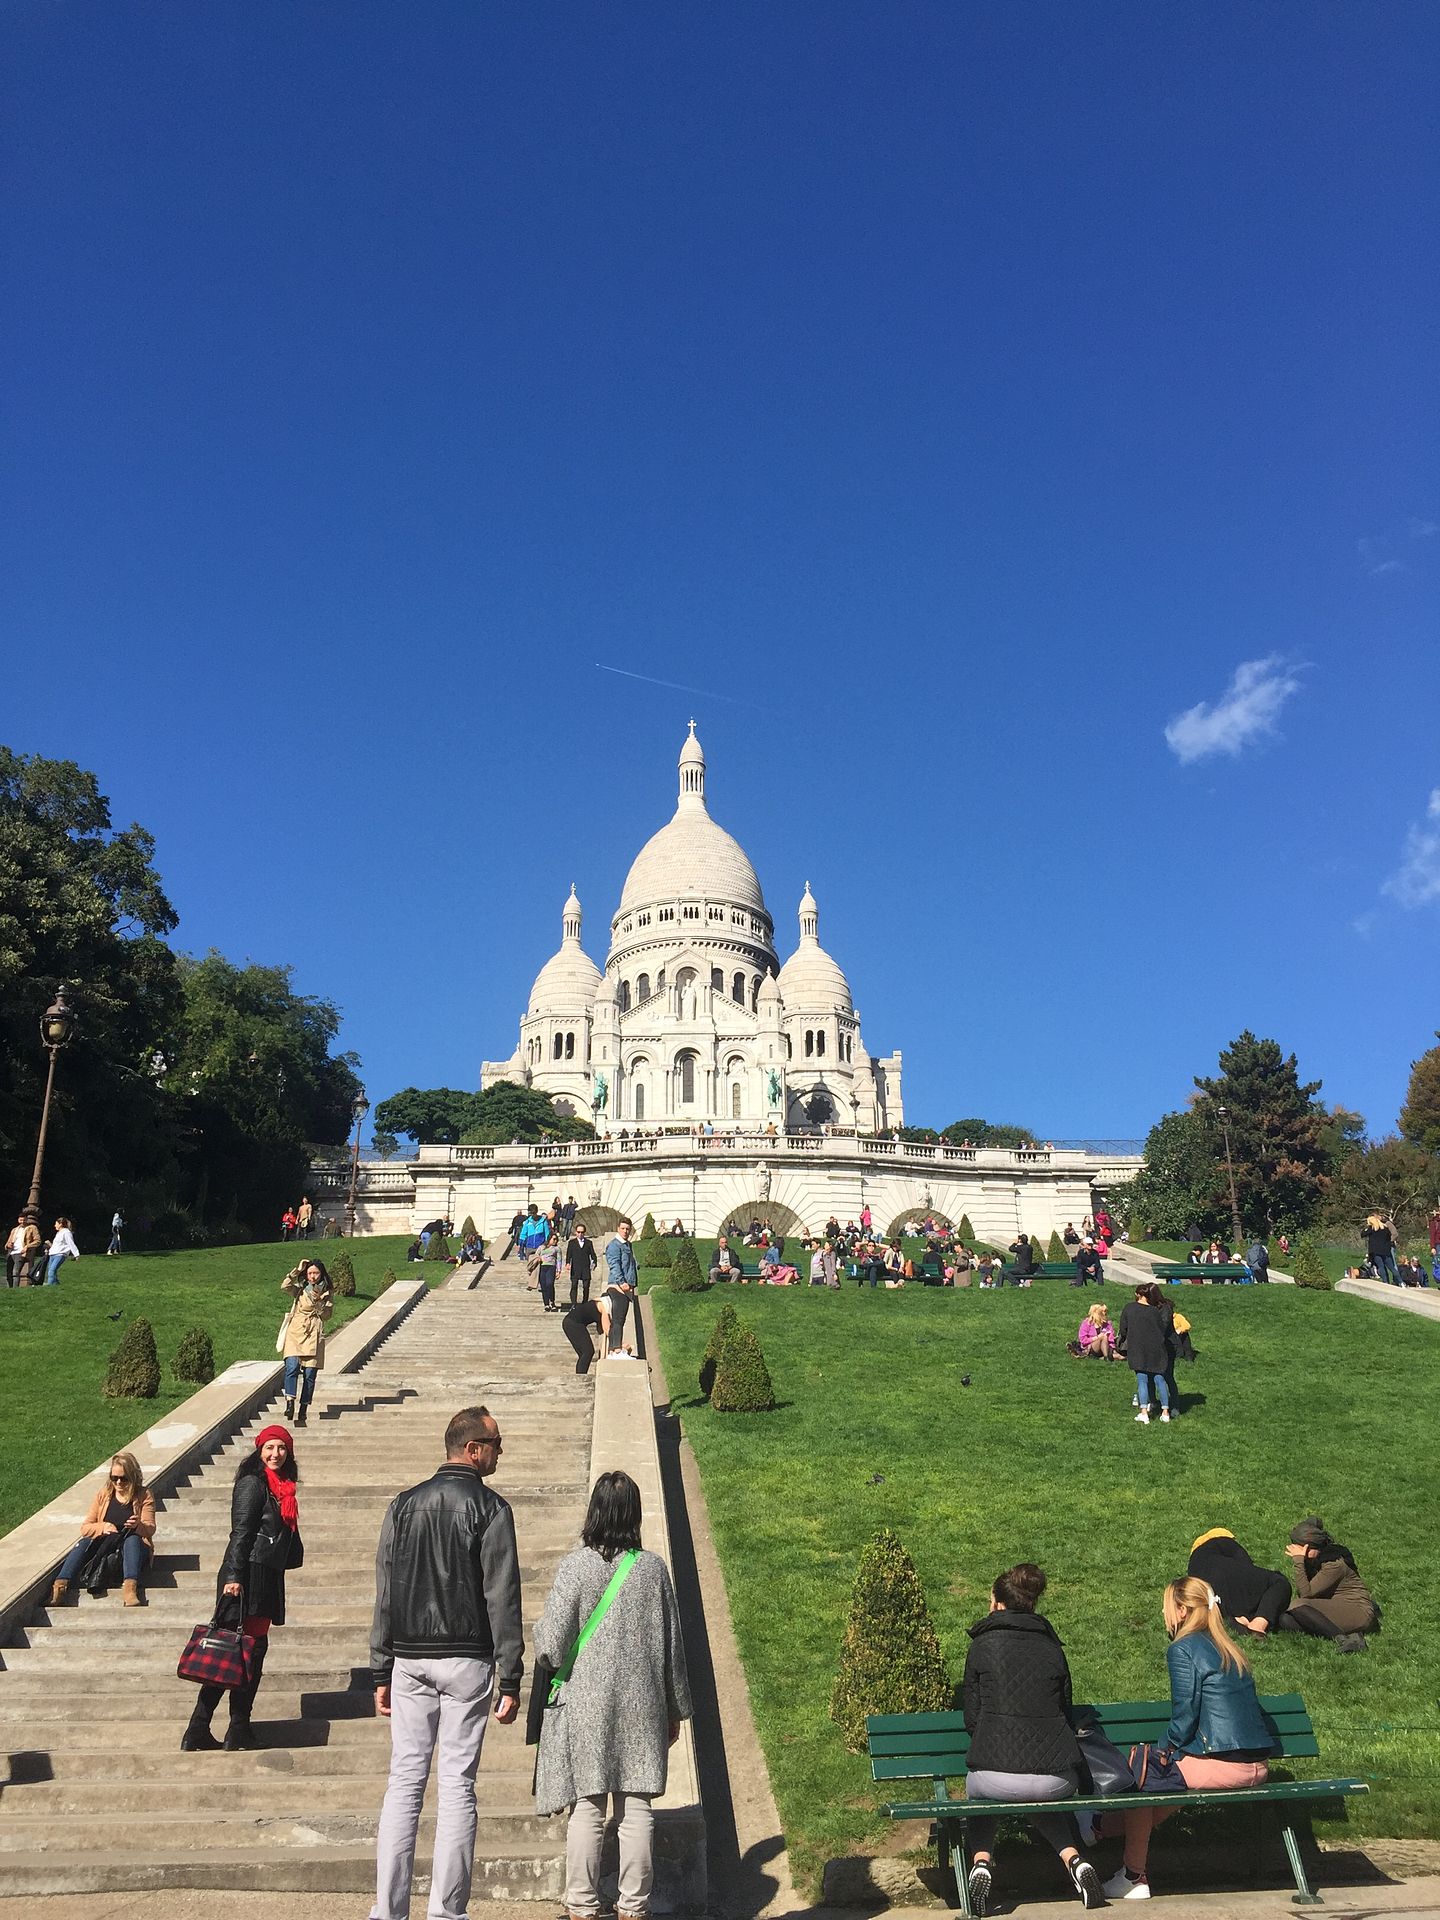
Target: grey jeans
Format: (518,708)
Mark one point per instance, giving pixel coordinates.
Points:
(635,1826)
(448,1700)
(1057,1828)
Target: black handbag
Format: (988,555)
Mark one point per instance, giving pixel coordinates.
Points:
(1155,1770)
(1103,1761)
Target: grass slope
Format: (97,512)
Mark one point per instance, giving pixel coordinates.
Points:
(55,1421)
(1312,1403)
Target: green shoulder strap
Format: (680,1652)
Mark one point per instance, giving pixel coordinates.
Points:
(602,1607)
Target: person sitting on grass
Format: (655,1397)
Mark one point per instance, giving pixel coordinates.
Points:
(1096,1337)
(1217,1733)
(1253,1597)
(1016,1698)
(1332,1600)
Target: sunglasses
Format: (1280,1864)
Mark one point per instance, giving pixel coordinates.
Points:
(118,1479)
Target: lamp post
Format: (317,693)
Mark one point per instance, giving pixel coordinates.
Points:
(1236,1230)
(360,1106)
(57,1023)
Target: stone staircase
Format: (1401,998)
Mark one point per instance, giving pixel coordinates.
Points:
(98,1796)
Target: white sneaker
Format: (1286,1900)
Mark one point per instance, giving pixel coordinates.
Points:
(1143,1416)
(1165,1415)
(1121,1887)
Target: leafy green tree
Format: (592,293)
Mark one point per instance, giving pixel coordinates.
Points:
(1177,1192)
(1394,1178)
(984,1133)
(1420,1115)
(386,1145)
(506,1112)
(134,1369)
(724,1326)
(890,1661)
(430,1116)
(1281,1166)
(194,1358)
(921,1136)
(685,1273)
(742,1379)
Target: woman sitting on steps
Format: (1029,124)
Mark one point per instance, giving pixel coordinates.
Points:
(121,1521)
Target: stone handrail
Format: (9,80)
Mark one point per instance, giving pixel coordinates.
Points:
(838,1144)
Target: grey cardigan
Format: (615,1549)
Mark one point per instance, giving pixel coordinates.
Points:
(609,1732)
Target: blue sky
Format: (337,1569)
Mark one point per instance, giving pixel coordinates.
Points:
(1018,419)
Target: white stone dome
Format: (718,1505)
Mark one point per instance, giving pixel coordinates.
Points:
(690,857)
(569,979)
(811,980)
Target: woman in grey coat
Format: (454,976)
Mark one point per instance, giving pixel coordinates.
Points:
(609,1734)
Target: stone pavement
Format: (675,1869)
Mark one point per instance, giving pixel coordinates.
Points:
(99,1800)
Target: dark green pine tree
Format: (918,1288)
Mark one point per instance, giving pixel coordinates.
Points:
(1420,1115)
(1281,1164)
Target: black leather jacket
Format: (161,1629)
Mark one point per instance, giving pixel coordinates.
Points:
(447,1579)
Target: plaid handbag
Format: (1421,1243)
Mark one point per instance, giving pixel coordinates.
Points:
(216,1655)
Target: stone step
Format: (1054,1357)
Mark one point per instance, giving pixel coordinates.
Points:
(299,1824)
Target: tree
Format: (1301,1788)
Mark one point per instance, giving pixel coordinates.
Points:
(194,1358)
(386,1145)
(685,1274)
(966,1231)
(1393,1177)
(134,1369)
(890,1661)
(724,1326)
(1177,1192)
(1307,1269)
(742,1379)
(1420,1115)
(1281,1166)
(342,1275)
(984,1133)
(1057,1252)
(430,1116)
(507,1112)
(438,1248)
(920,1136)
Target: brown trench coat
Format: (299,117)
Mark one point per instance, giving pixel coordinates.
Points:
(305,1335)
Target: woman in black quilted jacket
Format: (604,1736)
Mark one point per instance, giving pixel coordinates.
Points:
(1016,1696)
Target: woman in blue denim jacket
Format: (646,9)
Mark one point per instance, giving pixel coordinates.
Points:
(1217,1733)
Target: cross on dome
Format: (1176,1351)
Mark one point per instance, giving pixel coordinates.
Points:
(692,771)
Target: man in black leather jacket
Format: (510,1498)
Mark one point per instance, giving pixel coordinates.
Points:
(446,1641)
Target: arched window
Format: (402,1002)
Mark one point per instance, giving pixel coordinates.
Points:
(660,981)
(622,996)
(809,1042)
(639,1100)
(569,1046)
(717,980)
(686,1064)
(755,993)
(737,989)
(820,1042)
(735,1101)
(559,1047)
(642,987)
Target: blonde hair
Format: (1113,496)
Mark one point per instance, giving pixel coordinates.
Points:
(1099,1314)
(1191,1607)
(134,1481)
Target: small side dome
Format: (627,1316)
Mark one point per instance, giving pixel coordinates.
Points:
(569,980)
(810,980)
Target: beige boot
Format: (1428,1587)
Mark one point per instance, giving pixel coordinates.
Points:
(130,1593)
(58,1592)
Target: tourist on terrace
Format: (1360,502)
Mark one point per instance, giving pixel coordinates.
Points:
(606,1744)
(1253,1597)
(1016,1697)
(264,1542)
(310,1288)
(1332,1600)
(119,1527)
(1217,1732)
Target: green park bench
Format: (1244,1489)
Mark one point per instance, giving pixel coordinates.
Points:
(1236,1270)
(910,1746)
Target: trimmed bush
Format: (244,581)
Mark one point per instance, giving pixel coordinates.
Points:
(392,1279)
(647,1227)
(1057,1250)
(724,1326)
(966,1231)
(742,1379)
(685,1273)
(890,1660)
(1307,1269)
(342,1275)
(134,1369)
(468,1228)
(439,1247)
(195,1358)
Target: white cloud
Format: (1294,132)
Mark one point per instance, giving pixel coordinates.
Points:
(1380,553)
(1244,713)
(1416,882)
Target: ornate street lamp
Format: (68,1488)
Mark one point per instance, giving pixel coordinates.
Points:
(359,1107)
(57,1023)
(1236,1230)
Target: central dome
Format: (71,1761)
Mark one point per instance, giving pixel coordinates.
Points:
(690,857)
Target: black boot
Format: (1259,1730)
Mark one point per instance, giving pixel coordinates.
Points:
(289,1410)
(240,1736)
(197,1737)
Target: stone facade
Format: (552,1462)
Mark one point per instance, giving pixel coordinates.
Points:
(693,1018)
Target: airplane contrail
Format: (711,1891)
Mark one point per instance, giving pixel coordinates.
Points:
(673,685)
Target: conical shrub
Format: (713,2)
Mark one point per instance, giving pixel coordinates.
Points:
(439,1247)
(890,1660)
(468,1229)
(742,1379)
(724,1326)
(342,1275)
(967,1232)
(1307,1269)
(392,1279)
(685,1272)
(134,1369)
(195,1358)
(1057,1252)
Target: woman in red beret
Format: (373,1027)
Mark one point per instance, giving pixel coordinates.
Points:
(264,1542)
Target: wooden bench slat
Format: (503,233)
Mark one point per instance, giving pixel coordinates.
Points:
(1278,1791)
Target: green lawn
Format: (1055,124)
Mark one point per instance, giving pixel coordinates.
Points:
(55,1422)
(1335,1259)
(1312,1403)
